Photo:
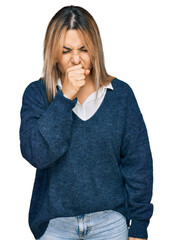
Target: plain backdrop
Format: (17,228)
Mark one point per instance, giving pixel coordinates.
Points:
(137,40)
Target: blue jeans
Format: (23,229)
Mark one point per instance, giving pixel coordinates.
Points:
(107,224)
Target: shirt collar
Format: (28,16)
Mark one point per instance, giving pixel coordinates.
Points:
(93,96)
(108,86)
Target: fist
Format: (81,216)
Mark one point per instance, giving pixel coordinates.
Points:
(75,78)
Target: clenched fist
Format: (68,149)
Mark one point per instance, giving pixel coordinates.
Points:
(74,79)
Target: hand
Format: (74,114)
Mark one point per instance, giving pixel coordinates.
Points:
(130,238)
(74,79)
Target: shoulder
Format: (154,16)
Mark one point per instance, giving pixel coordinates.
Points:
(35,86)
(124,91)
(35,91)
(121,87)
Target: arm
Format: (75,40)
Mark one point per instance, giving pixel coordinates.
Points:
(44,131)
(137,170)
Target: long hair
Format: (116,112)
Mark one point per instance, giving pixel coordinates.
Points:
(67,18)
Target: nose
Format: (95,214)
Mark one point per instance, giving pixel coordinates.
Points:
(76,59)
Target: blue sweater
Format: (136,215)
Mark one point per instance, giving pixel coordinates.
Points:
(87,166)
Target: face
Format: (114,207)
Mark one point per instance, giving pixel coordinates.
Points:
(74,52)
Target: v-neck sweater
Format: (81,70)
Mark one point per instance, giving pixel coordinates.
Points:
(91,104)
(87,166)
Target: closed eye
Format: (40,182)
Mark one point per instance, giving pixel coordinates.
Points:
(83,50)
(65,52)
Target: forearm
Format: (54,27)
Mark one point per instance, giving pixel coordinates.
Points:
(45,131)
(137,170)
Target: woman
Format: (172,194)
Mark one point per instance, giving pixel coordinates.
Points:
(83,131)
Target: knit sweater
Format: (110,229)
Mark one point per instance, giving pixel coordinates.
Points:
(86,109)
(87,166)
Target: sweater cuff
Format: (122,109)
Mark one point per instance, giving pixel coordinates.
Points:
(69,103)
(138,229)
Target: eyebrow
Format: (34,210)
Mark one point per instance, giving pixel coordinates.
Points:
(70,48)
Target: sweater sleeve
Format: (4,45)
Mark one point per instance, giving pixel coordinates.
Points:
(137,169)
(44,131)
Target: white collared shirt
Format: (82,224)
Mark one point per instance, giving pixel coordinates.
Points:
(87,109)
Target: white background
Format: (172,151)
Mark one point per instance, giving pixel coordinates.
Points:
(138,46)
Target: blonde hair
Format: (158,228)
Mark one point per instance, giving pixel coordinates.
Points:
(67,18)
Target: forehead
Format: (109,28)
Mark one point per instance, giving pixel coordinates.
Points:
(73,38)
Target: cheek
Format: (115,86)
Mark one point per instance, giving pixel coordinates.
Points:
(87,60)
(62,65)
(89,63)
